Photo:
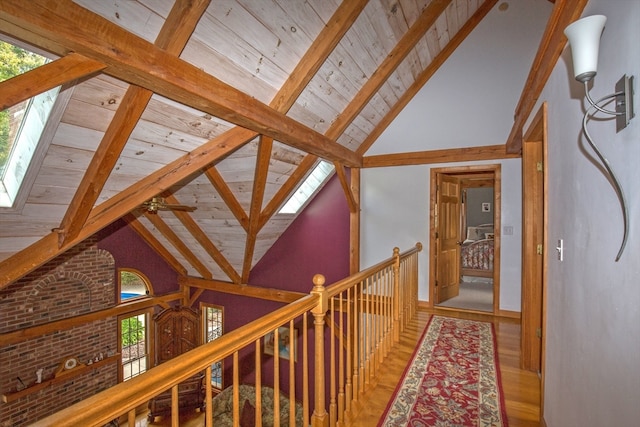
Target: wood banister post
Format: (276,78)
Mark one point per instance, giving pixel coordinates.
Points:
(320,417)
(396,295)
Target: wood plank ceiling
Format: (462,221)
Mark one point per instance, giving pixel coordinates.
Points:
(223,105)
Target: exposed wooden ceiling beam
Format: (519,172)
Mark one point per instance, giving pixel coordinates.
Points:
(364,95)
(199,234)
(126,117)
(260,292)
(551,46)
(124,202)
(173,37)
(46,77)
(47,248)
(429,71)
(257,196)
(138,62)
(24,334)
(487,152)
(292,182)
(146,235)
(408,42)
(227,195)
(177,242)
(342,176)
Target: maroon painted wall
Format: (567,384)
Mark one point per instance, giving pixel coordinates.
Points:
(316,242)
(130,251)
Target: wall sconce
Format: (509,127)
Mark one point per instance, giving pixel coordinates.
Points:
(584,38)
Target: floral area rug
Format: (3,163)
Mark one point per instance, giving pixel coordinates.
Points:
(453,379)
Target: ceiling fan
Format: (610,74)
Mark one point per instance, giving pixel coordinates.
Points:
(158,204)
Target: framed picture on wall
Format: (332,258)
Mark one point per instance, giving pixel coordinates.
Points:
(486,207)
(285,348)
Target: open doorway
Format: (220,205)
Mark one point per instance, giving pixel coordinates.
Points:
(465,261)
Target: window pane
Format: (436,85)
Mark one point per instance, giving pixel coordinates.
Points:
(213,330)
(133,333)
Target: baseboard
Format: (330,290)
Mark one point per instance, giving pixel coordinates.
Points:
(509,314)
(501,313)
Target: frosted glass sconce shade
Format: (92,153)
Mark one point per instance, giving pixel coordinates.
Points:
(584,38)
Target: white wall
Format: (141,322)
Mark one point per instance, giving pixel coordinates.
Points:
(395,212)
(469,102)
(593,312)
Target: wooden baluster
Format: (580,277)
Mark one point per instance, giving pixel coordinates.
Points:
(332,365)
(258,381)
(236,390)
(341,367)
(349,353)
(319,417)
(131,418)
(305,371)
(208,402)
(276,377)
(396,295)
(293,353)
(369,333)
(361,349)
(175,407)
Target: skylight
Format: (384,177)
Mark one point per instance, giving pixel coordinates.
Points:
(308,188)
(21,125)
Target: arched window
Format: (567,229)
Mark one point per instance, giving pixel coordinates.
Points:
(133,284)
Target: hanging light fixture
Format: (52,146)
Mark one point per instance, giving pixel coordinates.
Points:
(584,37)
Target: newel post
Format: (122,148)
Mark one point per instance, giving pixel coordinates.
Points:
(396,295)
(320,417)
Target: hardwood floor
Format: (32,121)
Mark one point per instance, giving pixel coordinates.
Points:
(521,388)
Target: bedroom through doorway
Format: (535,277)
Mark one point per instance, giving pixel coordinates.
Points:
(465,238)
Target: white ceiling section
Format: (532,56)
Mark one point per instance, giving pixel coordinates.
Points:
(468,102)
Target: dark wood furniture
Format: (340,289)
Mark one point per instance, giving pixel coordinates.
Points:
(177,330)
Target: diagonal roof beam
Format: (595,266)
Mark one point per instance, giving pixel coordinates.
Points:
(124,202)
(259,184)
(46,77)
(199,234)
(393,60)
(47,248)
(425,21)
(136,61)
(429,71)
(551,46)
(173,37)
(146,235)
(173,238)
(227,195)
(342,176)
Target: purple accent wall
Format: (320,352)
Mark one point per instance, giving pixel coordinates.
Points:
(316,242)
(129,250)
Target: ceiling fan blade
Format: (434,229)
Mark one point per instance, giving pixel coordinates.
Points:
(184,208)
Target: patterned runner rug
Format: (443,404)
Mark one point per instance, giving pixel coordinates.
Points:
(453,379)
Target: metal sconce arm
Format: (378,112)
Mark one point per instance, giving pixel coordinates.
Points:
(605,162)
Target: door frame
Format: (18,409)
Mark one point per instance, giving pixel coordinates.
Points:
(534,293)
(496,169)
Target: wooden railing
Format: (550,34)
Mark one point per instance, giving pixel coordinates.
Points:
(365,314)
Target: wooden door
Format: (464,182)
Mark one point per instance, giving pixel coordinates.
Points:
(447,238)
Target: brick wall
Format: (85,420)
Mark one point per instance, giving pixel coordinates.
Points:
(78,282)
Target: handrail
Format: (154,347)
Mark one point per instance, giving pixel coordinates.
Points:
(103,407)
(342,285)
(125,397)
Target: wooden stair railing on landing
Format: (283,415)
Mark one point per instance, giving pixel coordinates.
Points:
(369,308)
